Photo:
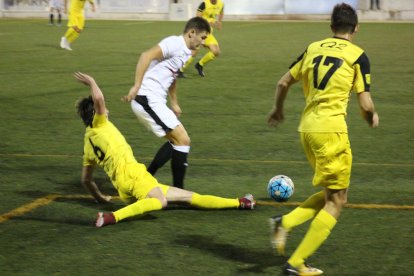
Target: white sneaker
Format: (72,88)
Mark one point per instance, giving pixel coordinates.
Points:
(64,44)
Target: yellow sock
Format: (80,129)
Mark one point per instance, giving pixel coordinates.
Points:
(186,64)
(319,230)
(138,208)
(305,211)
(209,56)
(213,202)
(71,35)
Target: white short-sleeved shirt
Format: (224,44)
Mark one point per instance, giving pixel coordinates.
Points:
(161,74)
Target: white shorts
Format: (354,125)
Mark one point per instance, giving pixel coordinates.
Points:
(157,117)
(56,4)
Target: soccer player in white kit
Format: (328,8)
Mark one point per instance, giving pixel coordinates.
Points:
(155,79)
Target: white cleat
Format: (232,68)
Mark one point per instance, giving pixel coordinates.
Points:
(303,270)
(64,44)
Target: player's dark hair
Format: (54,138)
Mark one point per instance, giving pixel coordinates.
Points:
(344,19)
(86,110)
(197,23)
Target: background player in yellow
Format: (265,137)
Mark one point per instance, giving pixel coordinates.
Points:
(76,21)
(329,69)
(106,147)
(213,12)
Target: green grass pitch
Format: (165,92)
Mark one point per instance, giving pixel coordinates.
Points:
(233,153)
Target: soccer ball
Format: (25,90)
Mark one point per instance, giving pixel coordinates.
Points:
(280,188)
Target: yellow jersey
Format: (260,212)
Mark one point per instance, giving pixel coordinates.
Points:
(77,6)
(106,146)
(210,11)
(330,69)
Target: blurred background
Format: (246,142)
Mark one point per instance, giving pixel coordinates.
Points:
(368,10)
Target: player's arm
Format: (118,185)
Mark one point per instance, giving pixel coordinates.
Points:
(172,93)
(92,3)
(276,115)
(362,83)
(144,61)
(90,185)
(96,93)
(200,9)
(220,19)
(368,109)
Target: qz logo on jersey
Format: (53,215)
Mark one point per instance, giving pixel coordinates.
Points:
(333,44)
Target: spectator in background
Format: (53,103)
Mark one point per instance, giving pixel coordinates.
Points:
(55,6)
(375,2)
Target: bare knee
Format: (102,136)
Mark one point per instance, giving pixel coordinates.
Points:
(338,203)
(184,141)
(179,137)
(181,141)
(157,193)
(215,49)
(76,28)
(175,194)
(335,200)
(343,201)
(164,202)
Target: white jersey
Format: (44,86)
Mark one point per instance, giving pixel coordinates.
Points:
(161,74)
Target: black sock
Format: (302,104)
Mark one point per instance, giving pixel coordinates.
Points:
(178,167)
(60,19)
(163,155)
(51,18)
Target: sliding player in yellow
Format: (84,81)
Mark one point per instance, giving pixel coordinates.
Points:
(76,22)
(106,147)
(330,69)
(213,12)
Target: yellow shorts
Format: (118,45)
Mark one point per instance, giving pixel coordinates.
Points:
(76,19)
(210,40)
(330,156)
(136,183)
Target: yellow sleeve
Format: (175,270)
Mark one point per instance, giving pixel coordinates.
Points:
(362,74)
(88,151)
(86,162)
(99,120)
(87,159)
(296,67)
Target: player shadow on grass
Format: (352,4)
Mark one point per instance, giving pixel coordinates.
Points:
(71,220)
(257,260)
(72,193)
(43,213)
(56,219)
